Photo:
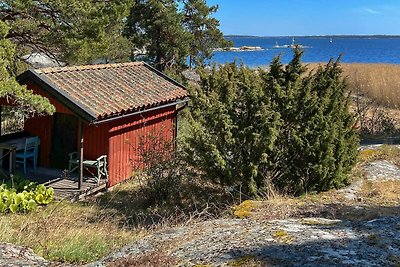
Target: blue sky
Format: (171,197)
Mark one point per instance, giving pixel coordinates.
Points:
(308,17)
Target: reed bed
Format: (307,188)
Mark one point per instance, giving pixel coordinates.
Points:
(379,82)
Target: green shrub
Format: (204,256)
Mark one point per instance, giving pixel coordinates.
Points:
(24,197)
(286,128)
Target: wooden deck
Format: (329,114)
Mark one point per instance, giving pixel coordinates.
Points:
(68,188)
(65,185)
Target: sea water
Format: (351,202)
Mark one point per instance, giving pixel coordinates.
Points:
(316,49)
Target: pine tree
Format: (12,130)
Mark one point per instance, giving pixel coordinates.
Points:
(156,27)
(171,31)
(75,31)
(9,87)
(204,31)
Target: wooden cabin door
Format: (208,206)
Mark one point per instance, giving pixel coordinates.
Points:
(64,139)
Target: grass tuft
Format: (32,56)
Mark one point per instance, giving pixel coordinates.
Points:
(66,232)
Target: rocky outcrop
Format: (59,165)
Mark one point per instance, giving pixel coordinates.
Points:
(13,256)
(291,242)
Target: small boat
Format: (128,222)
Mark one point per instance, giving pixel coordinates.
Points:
(293,45)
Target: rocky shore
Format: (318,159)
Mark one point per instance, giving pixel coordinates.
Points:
(240,49)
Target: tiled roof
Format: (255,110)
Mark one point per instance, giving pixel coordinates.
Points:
(110,89)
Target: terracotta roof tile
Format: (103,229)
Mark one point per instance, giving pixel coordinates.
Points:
(110,89)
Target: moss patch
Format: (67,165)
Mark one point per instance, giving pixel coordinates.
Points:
(245,209)
(283,236)
(318,222)
(248,261)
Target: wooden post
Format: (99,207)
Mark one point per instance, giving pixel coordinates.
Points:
(14,164)
(80,133)
(11,163)
(1,111)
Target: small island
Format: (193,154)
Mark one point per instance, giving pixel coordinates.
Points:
(239,49)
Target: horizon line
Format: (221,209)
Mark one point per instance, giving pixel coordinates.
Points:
(323,35)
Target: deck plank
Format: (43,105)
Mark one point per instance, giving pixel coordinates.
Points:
(64,187)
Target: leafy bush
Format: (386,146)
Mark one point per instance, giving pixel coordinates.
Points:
(161,177)
(24,197)
(285,128)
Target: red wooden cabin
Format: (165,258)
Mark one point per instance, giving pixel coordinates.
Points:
(102,110)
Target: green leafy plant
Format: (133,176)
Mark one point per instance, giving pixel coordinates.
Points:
(25,196)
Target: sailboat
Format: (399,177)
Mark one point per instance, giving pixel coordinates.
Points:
(293,45)
(330,40)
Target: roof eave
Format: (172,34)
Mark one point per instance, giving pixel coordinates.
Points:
(174,102)
(54,91)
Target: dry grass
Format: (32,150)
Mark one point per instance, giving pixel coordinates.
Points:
(194,201)
(375,199)
(385,152)
(384,192)
(66,232)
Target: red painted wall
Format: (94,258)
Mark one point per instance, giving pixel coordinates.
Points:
(95,140)
(125,138)
(41,126)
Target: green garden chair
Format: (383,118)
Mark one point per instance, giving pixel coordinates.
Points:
(99,165)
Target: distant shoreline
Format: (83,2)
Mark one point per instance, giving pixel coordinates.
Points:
(365,49)
(239,49)
(314,36)
(314,64)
